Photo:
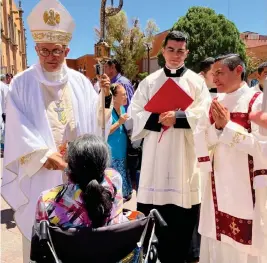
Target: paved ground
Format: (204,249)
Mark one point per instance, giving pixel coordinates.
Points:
(11,241)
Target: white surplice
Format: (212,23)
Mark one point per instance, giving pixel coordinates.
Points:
(29,137)
(232,222)
(3,96)
(4,92)
(1,105)
(169,174)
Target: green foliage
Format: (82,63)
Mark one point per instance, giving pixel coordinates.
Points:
(142,75)
(210,35)
(161,60)
(127,41)
(253,62)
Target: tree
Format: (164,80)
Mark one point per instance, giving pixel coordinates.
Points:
(142,75)
(210,35)
(254,61)
(127,41)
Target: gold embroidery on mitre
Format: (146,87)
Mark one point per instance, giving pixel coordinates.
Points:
(58,37)
(51,17)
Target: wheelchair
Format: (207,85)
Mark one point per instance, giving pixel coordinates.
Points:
(130,242)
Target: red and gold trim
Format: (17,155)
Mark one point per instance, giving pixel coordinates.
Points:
(260,172)
(238,229)
(203,159)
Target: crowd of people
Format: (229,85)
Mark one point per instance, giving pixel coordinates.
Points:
(5,80)
(202,165)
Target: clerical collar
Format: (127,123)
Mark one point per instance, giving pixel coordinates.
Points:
(213,90)
(175,72)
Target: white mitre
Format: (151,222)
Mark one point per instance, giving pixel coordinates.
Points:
(50,22)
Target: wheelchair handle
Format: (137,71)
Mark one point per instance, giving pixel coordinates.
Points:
(160,220)
(44,231)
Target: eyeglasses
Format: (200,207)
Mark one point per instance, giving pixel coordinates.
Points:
(46,53)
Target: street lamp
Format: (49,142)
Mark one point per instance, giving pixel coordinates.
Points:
(148,46)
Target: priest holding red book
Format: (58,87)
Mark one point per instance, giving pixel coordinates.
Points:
(165,110)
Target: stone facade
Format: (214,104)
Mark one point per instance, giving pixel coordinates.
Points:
(13,41)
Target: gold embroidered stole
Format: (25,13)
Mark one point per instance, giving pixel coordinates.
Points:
(60,115)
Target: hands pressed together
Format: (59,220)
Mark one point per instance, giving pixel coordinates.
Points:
(220,114)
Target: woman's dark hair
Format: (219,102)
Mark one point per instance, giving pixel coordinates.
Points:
(114,88)
(87,158)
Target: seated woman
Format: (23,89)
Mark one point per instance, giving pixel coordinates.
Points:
(93,195)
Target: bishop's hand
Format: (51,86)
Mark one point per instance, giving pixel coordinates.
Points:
(167,118)
(104,83)
(55,162)
(220,114)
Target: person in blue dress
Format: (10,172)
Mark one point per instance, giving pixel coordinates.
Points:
(118,139)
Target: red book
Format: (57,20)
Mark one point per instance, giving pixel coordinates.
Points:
(169,97)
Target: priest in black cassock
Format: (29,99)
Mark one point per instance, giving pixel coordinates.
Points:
(169,179)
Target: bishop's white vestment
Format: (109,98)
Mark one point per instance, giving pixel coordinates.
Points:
(36,127)
(233,221)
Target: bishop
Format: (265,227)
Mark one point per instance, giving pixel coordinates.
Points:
(38,127)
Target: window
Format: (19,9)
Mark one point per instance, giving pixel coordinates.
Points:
(15,34)
(19,38)
(10,29)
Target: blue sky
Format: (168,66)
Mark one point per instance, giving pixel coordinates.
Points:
(247,15)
